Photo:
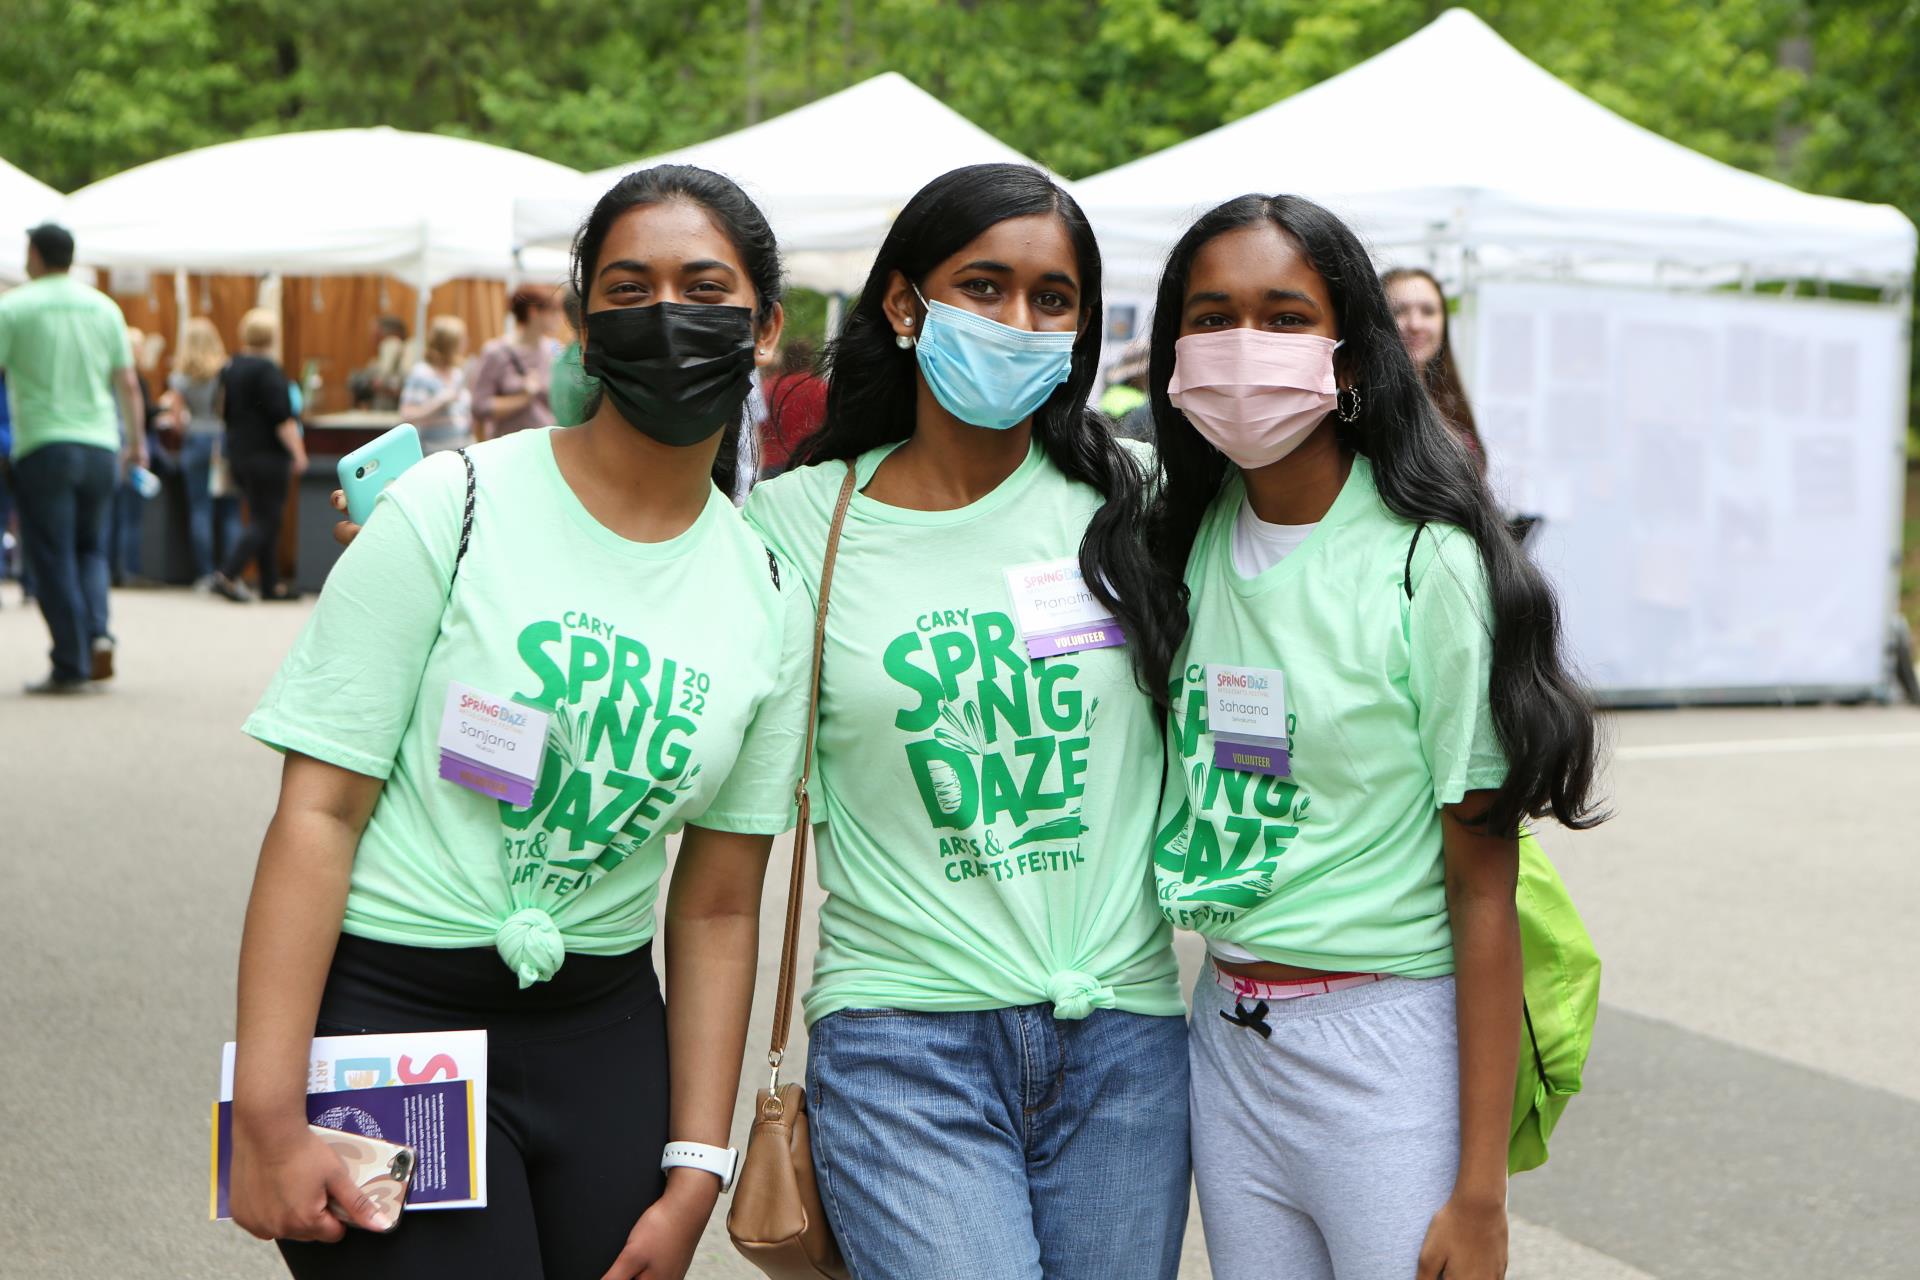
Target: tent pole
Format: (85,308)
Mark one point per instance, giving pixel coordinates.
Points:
(182,310)
(423,292)
(426,291)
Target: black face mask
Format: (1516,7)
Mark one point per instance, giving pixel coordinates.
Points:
(677,371)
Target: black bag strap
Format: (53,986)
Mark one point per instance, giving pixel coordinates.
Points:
(466,524)
(1406,581)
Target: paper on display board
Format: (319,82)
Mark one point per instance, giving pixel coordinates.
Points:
(1718,475)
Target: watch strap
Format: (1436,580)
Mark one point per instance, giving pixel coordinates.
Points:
(722,1162)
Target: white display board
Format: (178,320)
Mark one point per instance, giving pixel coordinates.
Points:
(1718,475)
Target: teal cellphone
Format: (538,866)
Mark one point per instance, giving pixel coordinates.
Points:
(375,465)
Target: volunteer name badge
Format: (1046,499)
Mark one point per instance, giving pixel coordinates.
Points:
(1247,713)
(491,745)
(1057,611)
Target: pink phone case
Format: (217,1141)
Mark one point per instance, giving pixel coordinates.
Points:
(383,1170)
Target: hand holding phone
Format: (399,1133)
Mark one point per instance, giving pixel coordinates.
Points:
(373,466)
(280,1181)
(383,1172)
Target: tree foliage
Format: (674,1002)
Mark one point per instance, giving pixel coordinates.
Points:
(1825,95)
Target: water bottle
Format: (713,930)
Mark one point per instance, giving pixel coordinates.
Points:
(144,482)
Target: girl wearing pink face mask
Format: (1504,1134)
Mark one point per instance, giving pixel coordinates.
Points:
(1368,701)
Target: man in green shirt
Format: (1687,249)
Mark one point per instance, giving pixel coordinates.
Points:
(64,347)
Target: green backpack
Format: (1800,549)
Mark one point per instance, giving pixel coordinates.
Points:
(1562,991)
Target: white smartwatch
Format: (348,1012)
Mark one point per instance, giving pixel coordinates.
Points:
(722,1162)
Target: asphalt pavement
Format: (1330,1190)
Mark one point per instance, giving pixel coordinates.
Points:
(1753,1102)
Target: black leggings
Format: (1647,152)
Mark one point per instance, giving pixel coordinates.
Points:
(262,479)
(576,1110)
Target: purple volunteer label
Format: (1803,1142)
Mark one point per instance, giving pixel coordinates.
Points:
(485,779)
(1251,757)
(1099,635)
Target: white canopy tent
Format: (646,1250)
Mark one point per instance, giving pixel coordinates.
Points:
(423,207)
(1691,452)
(1453,140)
(25,201)
(830,200)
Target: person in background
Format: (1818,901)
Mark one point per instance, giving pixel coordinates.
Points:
(193,400)
(264,453)
(7,543)
(513,374)
(377,386)
(64,347)
(436,400)
(1125,399)
(1420,310)
(124,562)
(796,406)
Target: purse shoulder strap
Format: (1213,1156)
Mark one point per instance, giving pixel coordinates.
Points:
(797,884)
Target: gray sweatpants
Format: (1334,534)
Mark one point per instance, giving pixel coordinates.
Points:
(1322,1151)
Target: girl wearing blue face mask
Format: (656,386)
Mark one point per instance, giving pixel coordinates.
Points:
(997,1061)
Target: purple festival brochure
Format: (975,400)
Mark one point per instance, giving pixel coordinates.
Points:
(436,1119)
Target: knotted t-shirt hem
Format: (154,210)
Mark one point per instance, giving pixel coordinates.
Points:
(1160,999)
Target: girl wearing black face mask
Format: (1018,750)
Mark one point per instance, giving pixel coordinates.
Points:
(592,584)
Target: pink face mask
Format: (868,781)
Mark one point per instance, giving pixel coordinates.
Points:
(1254,395)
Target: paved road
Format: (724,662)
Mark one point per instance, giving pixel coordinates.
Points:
(1754,1098)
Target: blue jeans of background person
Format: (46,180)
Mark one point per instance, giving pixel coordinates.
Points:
(6,517)
(65,492)
(123,532)
(205,512)
(1001,1145)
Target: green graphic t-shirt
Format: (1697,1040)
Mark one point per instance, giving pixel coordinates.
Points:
(984,818)
(1336,865)
(673,673)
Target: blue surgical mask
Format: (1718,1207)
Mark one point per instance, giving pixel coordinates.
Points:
(987,373)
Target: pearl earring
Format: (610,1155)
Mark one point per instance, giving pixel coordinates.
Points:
(904,341)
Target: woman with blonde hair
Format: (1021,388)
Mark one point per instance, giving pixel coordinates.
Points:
(436,400)
(193,401)
(264,453)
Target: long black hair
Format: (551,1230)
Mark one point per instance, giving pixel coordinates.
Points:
(738,218)
(1542,714)
(871,392)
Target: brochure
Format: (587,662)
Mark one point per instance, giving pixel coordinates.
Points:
(437,1120)
(400,1062)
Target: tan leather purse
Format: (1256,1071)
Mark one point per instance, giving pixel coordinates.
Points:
(776,1220)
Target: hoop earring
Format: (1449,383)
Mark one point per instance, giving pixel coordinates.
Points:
(1347,404)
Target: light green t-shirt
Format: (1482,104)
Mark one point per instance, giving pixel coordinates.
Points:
(60,342)
(674,673)
(1337,866)
(984,819)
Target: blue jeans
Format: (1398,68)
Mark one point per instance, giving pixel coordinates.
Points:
(6,517)
(1001,1145)
(123,532)
(205,512)
(65,492)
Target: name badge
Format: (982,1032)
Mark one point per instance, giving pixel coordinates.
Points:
(491,745)
(1057,610)
(1247,713)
